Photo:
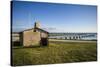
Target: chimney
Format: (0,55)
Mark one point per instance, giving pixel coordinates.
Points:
(37,25)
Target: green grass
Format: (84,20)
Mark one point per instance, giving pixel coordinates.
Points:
(56,52)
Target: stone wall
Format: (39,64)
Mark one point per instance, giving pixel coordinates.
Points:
(31,38)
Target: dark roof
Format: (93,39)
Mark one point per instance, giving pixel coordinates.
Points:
(42,30)
(31,29)
(27,29)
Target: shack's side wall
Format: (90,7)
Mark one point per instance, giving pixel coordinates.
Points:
(21,38)
(44,35)
(31,38)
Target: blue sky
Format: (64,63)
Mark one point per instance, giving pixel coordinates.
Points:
(54,17)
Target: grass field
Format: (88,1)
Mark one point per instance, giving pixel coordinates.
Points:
(56,52)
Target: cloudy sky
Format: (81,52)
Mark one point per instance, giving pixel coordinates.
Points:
(54,17)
